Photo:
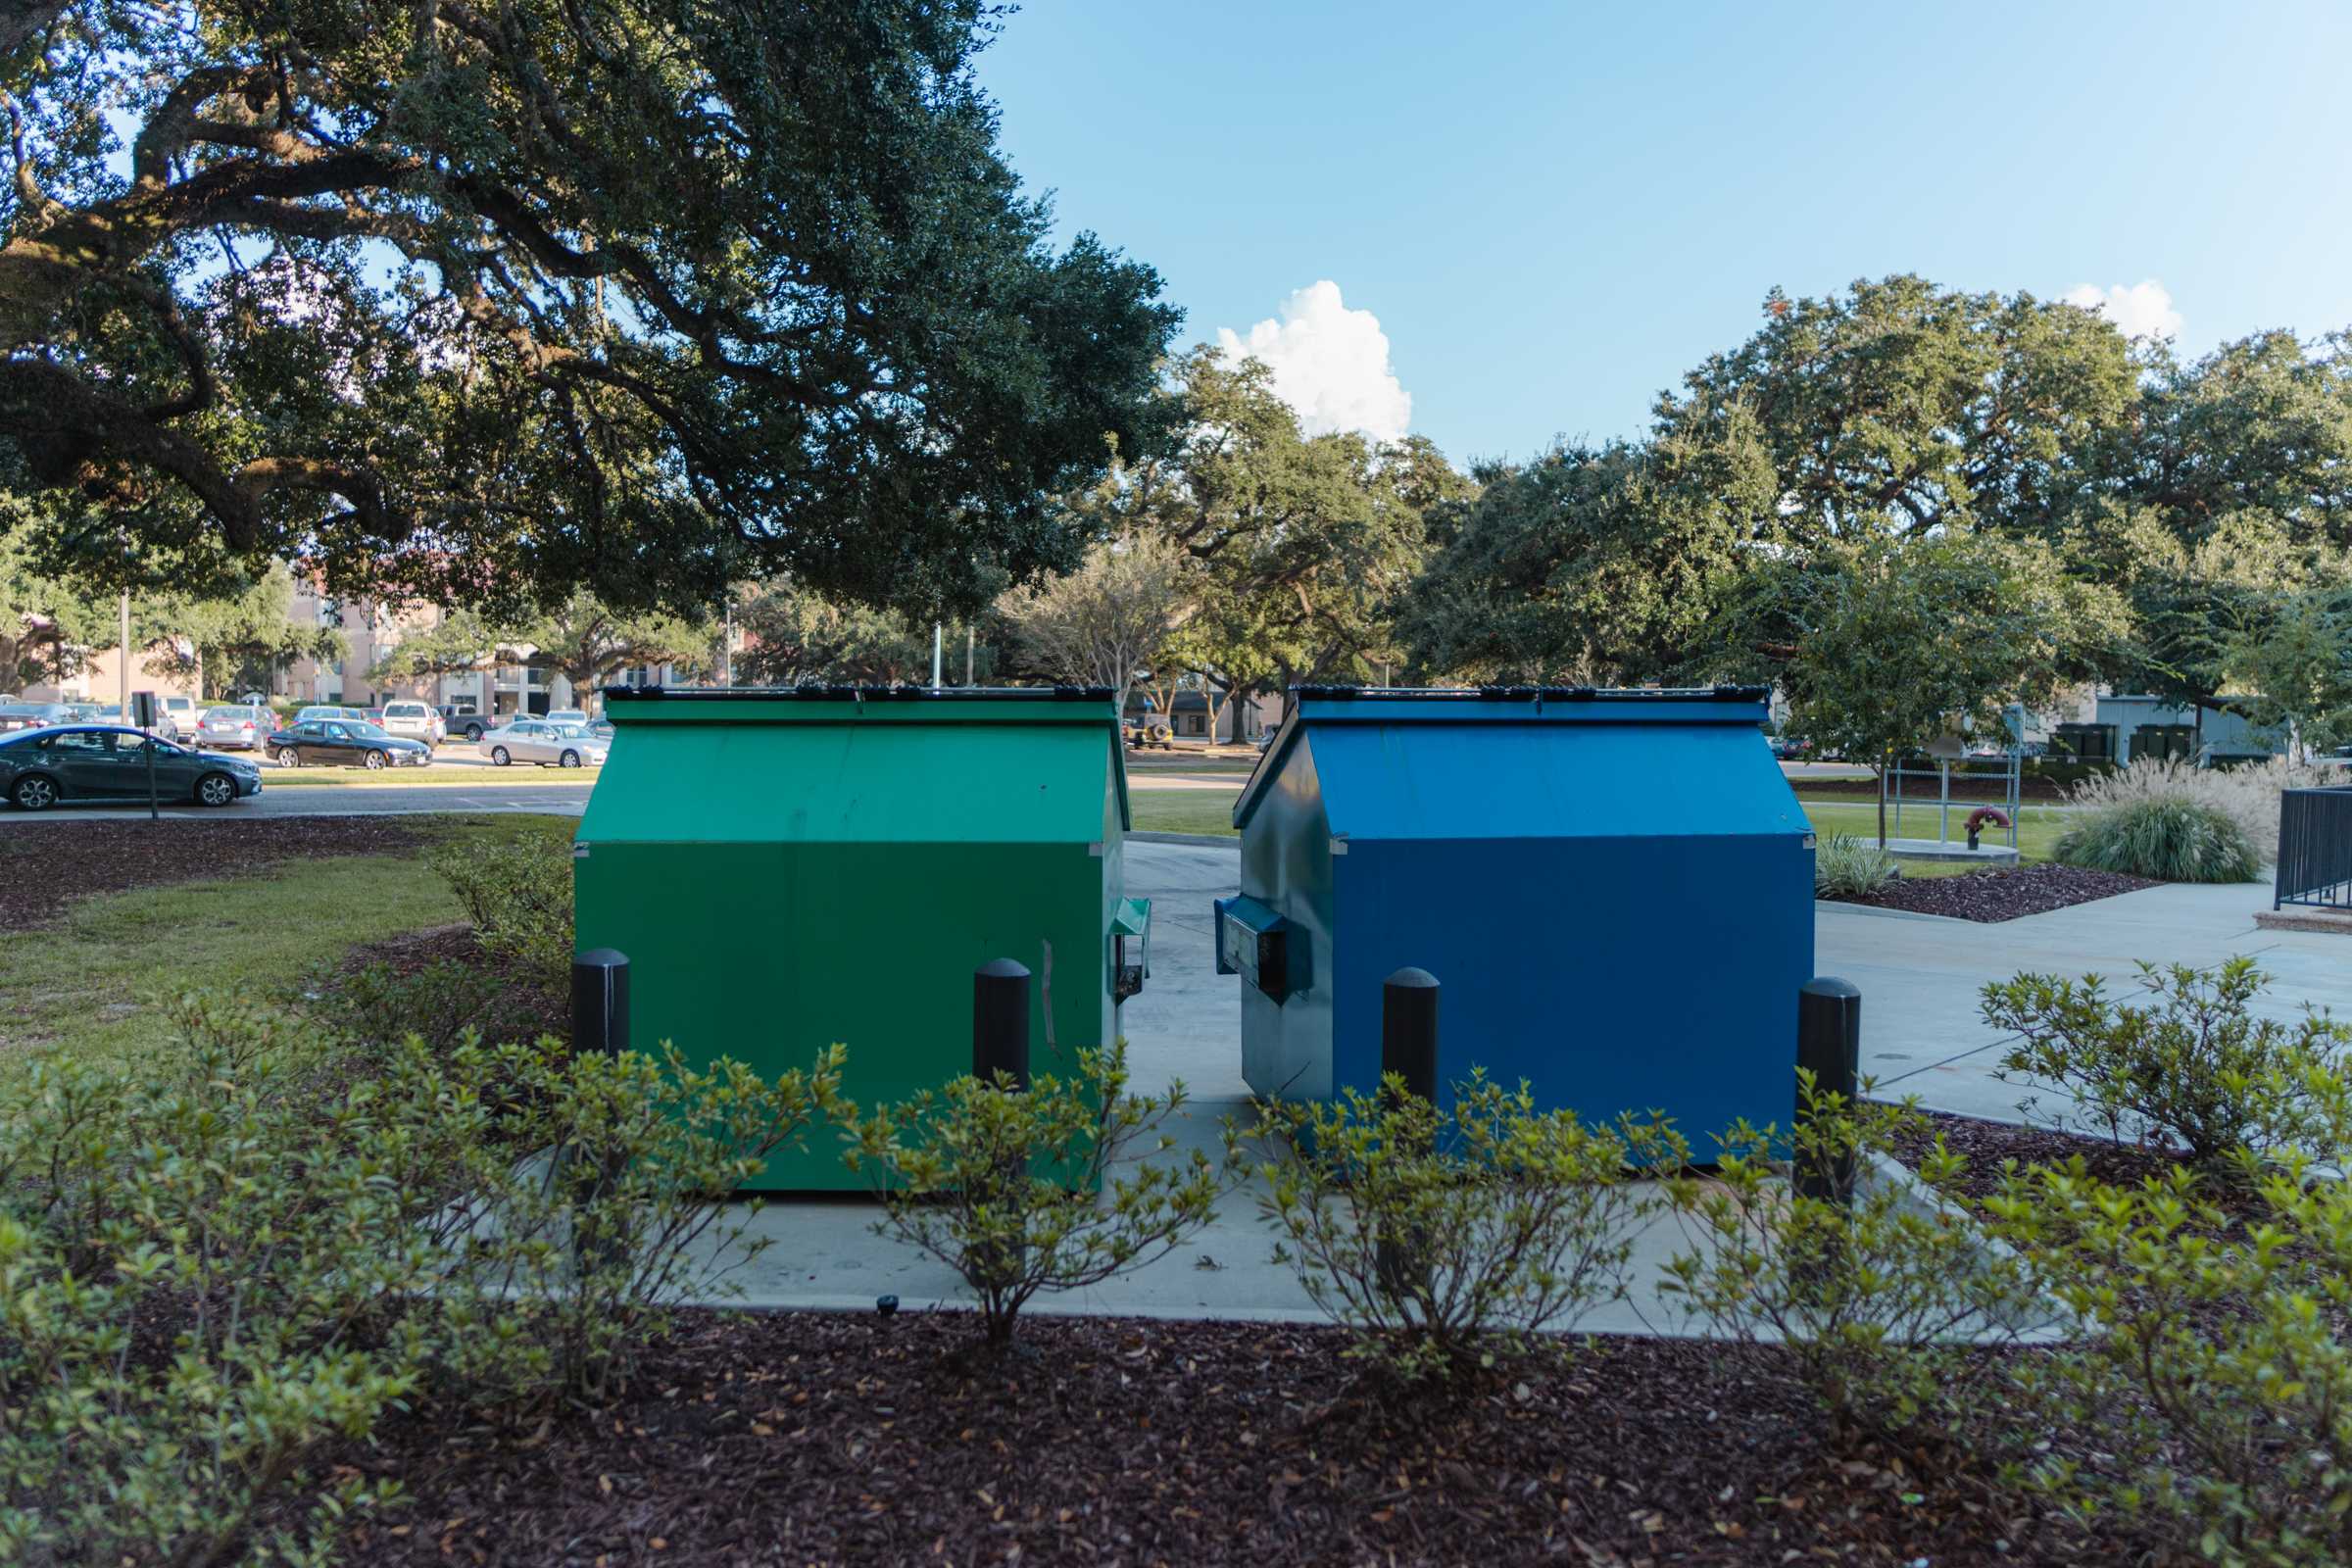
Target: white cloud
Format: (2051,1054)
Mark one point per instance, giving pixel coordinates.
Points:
(1330,363)
(2139,310)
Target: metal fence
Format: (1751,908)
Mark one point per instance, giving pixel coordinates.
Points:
(2315,848)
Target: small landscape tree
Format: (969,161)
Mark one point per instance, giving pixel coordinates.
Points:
(1108,619)
(1883,643)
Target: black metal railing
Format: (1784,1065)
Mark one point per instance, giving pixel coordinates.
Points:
(2315,848)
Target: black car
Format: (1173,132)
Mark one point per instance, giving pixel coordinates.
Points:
(33,715)
(109,762)
(351,742)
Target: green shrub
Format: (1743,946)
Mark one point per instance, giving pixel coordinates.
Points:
(1446,1239)
(195,1255)
(440,1002)
(603,1201)
(518,895)
(1847,867)
(1021,1191)
(221,1259)
(2195,1067)
(1875,1302)
(2168,840)
(2217,1366)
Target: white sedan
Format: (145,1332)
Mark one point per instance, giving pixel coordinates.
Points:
(535,740)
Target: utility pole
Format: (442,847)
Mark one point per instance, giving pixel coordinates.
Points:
(938,645)
(967,653)
(122,685)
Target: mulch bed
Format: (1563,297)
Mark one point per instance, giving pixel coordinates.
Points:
(2001,892)
(47,865)
(1987,1144)
(815,1438)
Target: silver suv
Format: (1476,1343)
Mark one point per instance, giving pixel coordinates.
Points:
(416,720)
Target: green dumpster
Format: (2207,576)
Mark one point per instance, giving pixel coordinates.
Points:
(785,869)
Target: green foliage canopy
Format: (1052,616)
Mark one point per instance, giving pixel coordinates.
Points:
(488,303)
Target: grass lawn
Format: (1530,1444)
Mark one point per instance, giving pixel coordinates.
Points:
(2038,830)
(1180,811)
(92,983)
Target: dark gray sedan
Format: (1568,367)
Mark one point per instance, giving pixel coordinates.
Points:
(43,767)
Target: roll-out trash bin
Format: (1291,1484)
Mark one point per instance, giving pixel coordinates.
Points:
(786,869)
(1614,890)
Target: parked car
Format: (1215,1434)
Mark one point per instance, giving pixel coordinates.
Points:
(461,720)
(254,700)
(414,720)
(535,740)
(32,715)
(235,728)
(174,715)
(328,710)
(565,715)
(348,742)
(109,762)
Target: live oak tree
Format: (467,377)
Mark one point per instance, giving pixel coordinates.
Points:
(233,640)
(490,302)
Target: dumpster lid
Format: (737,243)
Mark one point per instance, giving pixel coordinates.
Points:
(1131,917)
(861,764)
(1520,707)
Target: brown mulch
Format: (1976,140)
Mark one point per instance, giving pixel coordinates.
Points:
(1986,1144)
(2001,892)
(821,1438)
(47,865)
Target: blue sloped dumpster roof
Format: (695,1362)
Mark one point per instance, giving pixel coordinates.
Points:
(1535,765)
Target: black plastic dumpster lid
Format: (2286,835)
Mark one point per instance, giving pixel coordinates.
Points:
(815,692)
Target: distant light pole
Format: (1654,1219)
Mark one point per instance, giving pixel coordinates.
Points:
(122,685)
(938,645)
(726,649)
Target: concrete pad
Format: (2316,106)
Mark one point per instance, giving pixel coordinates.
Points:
(1953,851)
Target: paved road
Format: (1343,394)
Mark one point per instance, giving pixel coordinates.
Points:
(565,800)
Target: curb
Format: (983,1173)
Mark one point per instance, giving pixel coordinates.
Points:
(1231,841)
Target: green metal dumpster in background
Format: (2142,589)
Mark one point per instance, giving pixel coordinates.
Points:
(786,869)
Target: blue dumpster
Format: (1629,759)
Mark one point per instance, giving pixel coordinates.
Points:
(1615,888)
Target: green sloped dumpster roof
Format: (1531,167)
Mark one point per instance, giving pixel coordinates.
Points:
(840,765)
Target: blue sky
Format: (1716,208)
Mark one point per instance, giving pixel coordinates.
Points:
(1550,212)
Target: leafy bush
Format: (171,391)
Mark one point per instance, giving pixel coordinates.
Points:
(2217,1367)
(441,1003)
(2248,796)
(1006,1186)
(518,895)
(2196,1069)
(1847,867)
(1876,1302)
(2166,840)
(194,1252)
(603,1201)
(218,1260)
(1444,1237)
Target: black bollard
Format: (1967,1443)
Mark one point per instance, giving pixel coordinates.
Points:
(1408,1031)
(599,1003)
(1001,1021)
(1408,1048)
(1829,1045)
